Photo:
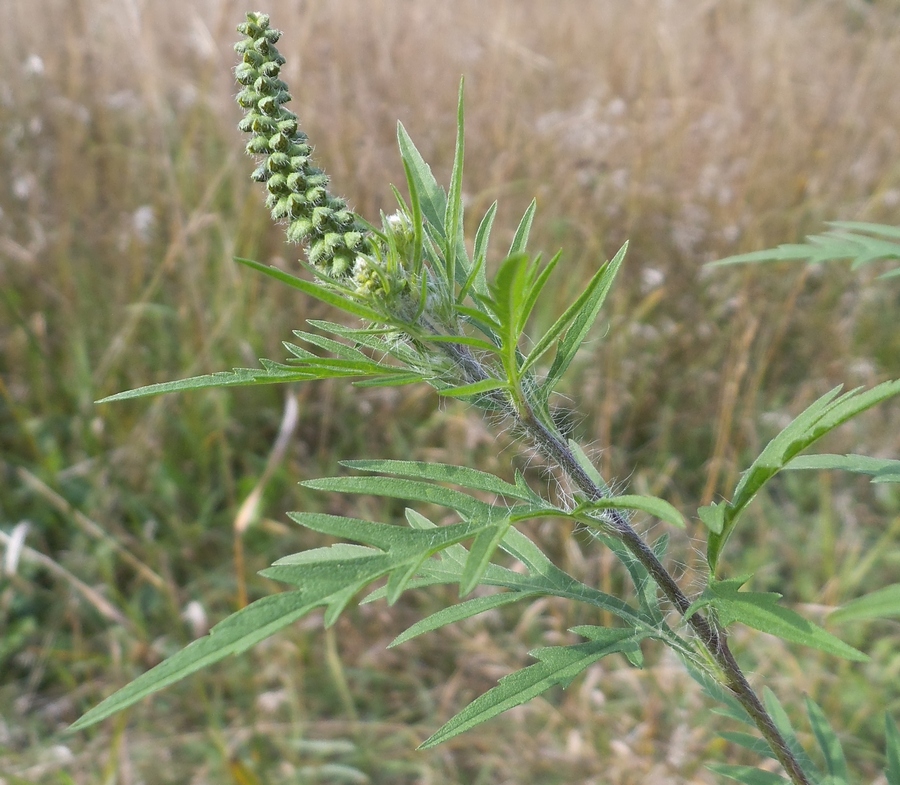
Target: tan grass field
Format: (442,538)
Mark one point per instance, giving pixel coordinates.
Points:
(693,130)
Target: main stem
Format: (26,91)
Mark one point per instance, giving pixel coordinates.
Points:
(712,638)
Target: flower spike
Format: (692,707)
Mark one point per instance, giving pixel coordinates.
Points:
(297,191)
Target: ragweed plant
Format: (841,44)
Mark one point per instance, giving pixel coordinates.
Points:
(432,314)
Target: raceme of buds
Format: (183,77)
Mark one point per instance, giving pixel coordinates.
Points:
(298,191)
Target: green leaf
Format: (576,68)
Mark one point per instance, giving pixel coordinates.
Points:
(239,377)
(818,419)
(881,604)
(457,264)
(233,635)
(475,388)
(576,322)
(459,612)
(478,273)
(652,505)
(783,723)
(761,611)
(557,665)
(535,285)
(431,195)
(408,490)
(892,742)
(316,290)
(442,472)
(835,762)
(879,469)
(747,774)
(520,240)
(400,553)
(480,555)
(746,740)
(713,517)
(848,240)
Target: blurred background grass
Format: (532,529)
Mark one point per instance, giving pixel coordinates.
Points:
(692,130)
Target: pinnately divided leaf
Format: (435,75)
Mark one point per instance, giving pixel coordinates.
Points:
(818,419)
(233,635)
(761,611)
(558,665)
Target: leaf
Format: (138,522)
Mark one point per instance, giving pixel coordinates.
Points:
(835,762)
(520,240)
(761,611)
(879,469)
(407,490)
(473,479)
(747,774)
(557,664)
(892,743)
(233,635)
(783,723)
(576,322)
(431,195)
(881,604)
(239,377)
(316,290)
(473,389)
(459,612)
(818,419)
(535,285)
(480,555)
(453,218)
(652,505)
(713,517)
(746,740)
(848,240)
(508,291)
(477,275)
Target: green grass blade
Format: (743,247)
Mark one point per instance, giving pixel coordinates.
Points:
(558,665)
(892,742)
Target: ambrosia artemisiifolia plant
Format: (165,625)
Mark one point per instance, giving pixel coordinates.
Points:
(431,314)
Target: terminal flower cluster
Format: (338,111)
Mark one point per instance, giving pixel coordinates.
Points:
(298,191)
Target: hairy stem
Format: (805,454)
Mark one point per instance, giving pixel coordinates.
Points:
(713,639)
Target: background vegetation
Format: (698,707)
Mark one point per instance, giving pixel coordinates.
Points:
(696,131)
